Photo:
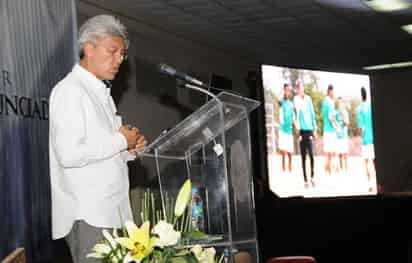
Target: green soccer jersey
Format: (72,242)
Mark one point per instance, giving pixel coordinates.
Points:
(365,122)
(328,112)
(287,115)
(343,133)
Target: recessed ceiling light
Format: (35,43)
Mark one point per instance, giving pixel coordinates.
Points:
(407,28)
(388,66)
(388,5)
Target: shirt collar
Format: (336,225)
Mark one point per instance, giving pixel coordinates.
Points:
(92,83)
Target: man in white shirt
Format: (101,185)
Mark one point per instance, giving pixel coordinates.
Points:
(89,146)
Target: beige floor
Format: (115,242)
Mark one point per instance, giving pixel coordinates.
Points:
(354,182)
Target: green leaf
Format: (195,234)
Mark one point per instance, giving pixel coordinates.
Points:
(182,252)
(183,198)
(184,259)
(195,235)
(220,260)
(178,260)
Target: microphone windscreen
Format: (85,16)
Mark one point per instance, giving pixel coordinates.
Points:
(167,69)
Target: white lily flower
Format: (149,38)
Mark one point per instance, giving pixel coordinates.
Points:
(109,238)
(210,254)
(94,255)
(114,244)
(100,251)
(197,250)
(128,258)
(167,235)
(115,234)
(204,255)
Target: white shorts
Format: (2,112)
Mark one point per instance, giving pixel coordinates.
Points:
(329,142)
(342,146)
(285,142)
(368,152)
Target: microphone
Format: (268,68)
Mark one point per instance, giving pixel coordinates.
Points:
(169,70)
(226,90)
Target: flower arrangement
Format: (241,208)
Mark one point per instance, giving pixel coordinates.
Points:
(158,239)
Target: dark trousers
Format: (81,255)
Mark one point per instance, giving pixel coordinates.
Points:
(306,146)
(82,239)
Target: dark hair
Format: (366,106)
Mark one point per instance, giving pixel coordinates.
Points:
(363,93)
(330,87)
(285,85)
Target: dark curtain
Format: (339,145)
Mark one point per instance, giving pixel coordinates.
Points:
(37,49)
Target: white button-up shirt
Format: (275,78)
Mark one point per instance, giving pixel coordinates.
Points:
(88,155)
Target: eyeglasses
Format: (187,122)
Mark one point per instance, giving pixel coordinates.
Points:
(124,55)
(112,51)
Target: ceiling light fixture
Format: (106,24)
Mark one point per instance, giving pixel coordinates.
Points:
(407,28)
(388,66)
(388,5)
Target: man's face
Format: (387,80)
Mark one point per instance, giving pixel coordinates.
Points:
(330,93)
(299,90)
(105,56)
(286,92)
(341,105)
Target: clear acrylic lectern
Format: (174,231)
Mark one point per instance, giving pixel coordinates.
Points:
(212,148)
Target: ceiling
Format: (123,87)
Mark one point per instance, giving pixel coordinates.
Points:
(320,34)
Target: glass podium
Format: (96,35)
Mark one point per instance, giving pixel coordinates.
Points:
(212,148)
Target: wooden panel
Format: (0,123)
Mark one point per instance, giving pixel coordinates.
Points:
(17,256)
